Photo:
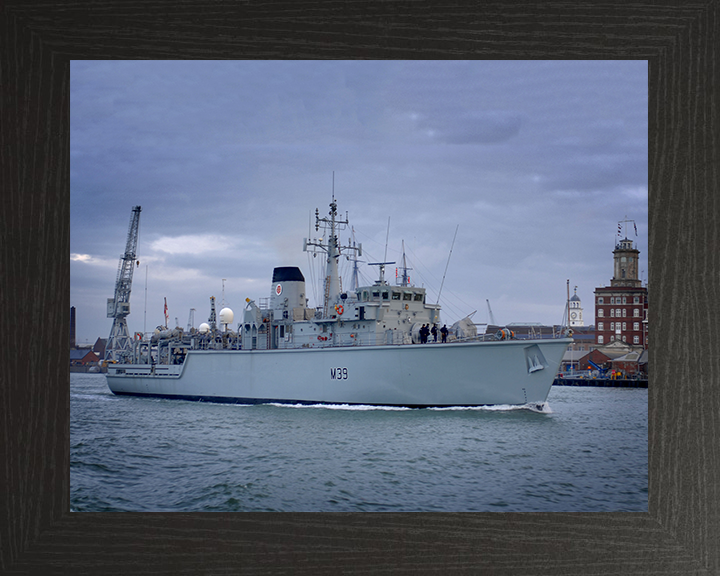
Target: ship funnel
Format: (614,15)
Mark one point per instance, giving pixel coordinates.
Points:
(288,291)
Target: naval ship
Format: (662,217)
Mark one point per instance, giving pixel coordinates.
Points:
(363,346)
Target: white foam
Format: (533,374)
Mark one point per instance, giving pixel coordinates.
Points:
(357,407)
(543,408)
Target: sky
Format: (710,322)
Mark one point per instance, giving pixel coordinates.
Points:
(532,163)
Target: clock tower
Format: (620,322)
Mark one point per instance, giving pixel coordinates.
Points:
(575,310)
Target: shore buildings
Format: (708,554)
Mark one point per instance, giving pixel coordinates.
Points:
(621,308)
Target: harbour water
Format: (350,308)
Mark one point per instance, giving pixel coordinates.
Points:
(585,452)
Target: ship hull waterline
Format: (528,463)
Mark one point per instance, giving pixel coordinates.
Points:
(516,372)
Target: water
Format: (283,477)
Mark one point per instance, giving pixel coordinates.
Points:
(586,452)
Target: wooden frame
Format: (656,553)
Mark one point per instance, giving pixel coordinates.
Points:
(679,534)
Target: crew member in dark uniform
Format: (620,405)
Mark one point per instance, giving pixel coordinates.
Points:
(444,333)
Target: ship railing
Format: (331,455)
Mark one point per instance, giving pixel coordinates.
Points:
(397,339)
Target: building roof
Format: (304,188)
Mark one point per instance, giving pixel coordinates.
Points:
(629,357)
(82,353)
(573,355)
(615,349)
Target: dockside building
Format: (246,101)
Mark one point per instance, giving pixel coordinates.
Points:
(621,308)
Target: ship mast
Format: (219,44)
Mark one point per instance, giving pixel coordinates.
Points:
(331,246)
(404,279)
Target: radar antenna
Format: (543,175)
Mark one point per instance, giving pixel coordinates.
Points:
(119,343)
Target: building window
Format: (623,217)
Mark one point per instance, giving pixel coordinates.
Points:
(624,339)
(636,300)
(624,326)
(600,312)
(601,300)
(636,313)
(636,326)
(600,326)
(636,339)
(600,339)
(612,325)
(624,300)
(617,312)
(624,312)
(612,312)
(612,300)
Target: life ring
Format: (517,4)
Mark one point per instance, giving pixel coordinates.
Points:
(339,310)
(407,306)
(138,335)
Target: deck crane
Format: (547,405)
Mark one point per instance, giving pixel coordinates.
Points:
(491,318)
(119,343)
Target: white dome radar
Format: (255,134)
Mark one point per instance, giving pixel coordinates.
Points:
(226,316)
(204,328)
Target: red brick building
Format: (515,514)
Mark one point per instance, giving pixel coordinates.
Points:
(621,308)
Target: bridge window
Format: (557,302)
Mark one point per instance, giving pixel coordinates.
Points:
(385,295)
(396,295)
(418,297)
(407,296)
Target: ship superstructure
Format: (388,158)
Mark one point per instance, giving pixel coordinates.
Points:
(368,315)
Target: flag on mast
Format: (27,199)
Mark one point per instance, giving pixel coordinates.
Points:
(635,228)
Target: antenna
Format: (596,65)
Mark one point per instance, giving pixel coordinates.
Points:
(567,310)
(448,264)
(145,313)
(223,293)
(387,236)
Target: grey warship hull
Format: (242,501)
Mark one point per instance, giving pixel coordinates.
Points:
(515,372)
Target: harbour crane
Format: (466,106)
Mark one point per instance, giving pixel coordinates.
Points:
(119,343)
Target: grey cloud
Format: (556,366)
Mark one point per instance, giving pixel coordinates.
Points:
(487,127)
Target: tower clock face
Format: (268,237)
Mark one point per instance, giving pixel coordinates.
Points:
(573,315)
